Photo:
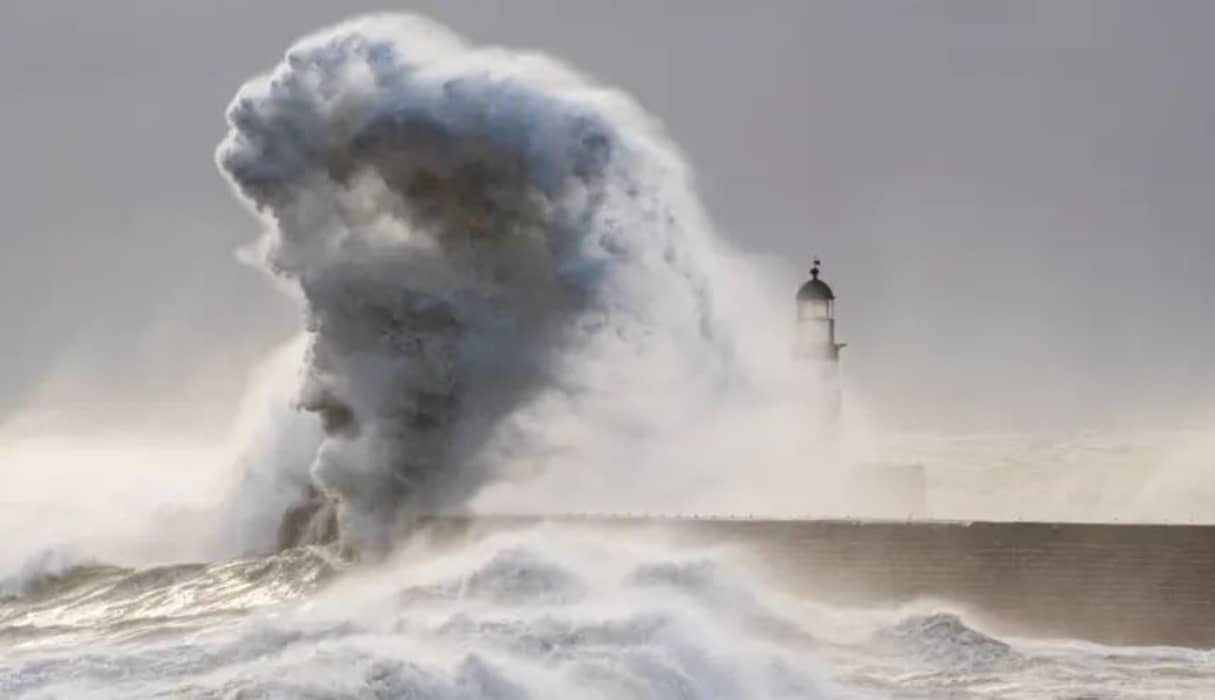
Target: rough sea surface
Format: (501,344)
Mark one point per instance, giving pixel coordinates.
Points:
(537,613)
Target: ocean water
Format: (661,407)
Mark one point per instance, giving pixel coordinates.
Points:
(542,612)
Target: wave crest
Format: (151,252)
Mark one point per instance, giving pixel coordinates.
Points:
(489,249)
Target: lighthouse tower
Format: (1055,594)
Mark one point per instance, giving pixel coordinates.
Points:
(816,346)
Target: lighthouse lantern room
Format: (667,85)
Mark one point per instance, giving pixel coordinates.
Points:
(816,320)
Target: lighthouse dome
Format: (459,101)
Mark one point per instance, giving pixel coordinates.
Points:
(815,289)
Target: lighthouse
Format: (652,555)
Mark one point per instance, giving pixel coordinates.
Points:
(816,347)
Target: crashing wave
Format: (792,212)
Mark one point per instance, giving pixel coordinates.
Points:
(491,252)
(945,642)
(45,571)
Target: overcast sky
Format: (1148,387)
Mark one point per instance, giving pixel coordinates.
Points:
(1013,199)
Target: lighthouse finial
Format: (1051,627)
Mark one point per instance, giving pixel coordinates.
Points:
(814,270)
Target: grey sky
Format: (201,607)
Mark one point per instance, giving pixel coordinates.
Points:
(1012,198)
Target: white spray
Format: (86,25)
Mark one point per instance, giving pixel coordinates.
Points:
(504,268)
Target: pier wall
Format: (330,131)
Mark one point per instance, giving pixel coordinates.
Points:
(1110,583)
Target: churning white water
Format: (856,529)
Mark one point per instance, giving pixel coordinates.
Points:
(544,612)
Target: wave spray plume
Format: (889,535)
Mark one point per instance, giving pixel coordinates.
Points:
(503,266)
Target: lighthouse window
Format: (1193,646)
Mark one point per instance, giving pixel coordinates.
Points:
(814,309)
